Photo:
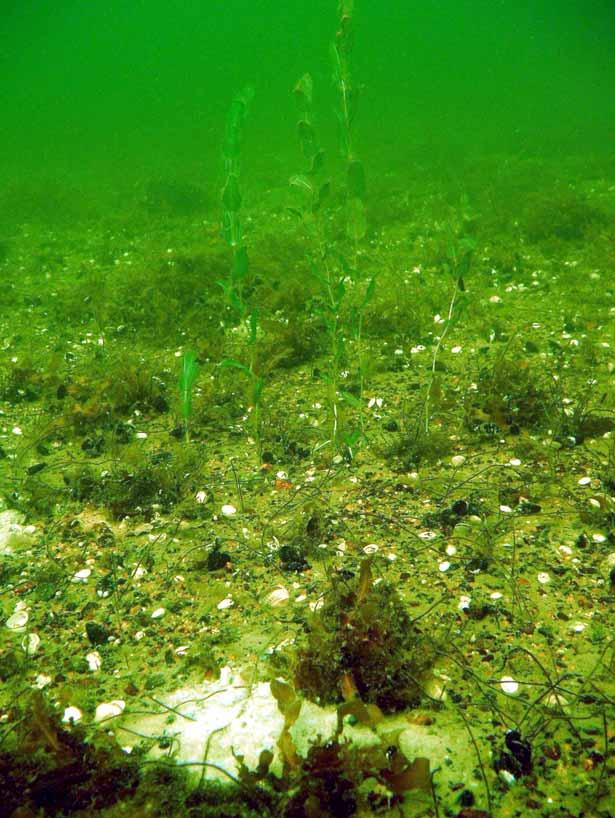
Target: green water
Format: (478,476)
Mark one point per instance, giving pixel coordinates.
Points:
(110,89)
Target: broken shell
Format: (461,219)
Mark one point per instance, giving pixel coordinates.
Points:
(278,596)
(31,643)
(108,710)
(18,621)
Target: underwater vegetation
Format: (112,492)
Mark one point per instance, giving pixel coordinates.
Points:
(363,642)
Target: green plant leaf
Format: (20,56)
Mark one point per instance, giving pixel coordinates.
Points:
(241,263)
(303,93)
(231,194)
(302,182)
(351,399)
(227,363)
(188,375)
(356,179)
(356,222)
(307,138)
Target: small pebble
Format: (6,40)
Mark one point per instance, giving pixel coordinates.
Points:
(509,685)
(507,777)
(72,714)
(566,550)
(427,535)
(94,660)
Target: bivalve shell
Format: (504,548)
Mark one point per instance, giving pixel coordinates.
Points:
(18,621)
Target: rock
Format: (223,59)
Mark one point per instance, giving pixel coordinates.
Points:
(13,534)
(97,634)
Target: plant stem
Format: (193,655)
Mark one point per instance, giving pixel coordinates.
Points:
(451,308)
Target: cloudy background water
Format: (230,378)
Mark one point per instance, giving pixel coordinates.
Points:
(118,89)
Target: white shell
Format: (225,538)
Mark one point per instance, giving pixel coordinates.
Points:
(108,710)
(509,685)
(18,621)
(72,714)
(278,596)
(31,643)
(228,510)
(94,660)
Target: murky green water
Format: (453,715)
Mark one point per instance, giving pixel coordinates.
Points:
(109,88)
